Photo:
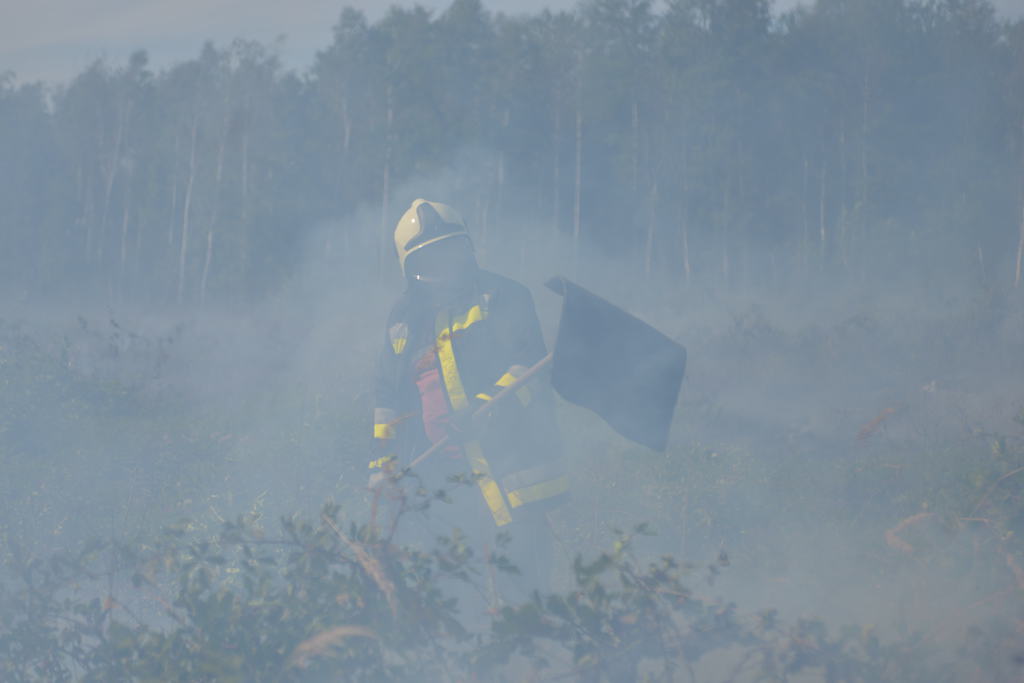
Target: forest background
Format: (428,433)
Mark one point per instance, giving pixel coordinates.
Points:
(825,205)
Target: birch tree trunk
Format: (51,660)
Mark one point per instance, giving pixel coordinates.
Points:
(805,234)
(556,175)
(124,241)
(89,214)
(245,169)
(499,202)
(215,217)
(1020,240)
(221,145)
(137,261)
(726,207)
(578,192)
(822,230)
(862,205)
(111,176)
(843,183)
(652,223)
(684,224)
(346,126)
(686,246)
(206,268)
(635,147)
(185,216)
(174,190)
(386,188)
(1020,247)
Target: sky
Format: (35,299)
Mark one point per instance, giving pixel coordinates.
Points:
(52,40)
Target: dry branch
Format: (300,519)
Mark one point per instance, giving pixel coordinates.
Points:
(370,565)
(872,426)
(991,488)
(323,643)
(892,538)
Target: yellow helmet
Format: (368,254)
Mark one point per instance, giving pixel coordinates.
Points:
(425,223)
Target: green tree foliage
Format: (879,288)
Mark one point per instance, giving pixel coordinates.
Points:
(706,141)
(319,603)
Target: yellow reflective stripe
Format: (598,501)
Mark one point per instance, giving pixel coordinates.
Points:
(457,396)
(473,315)
(523,392)
(506,379)
(483,397)
(380,462)
(445,353)
(398,334)
(383,431)
(531,494)
(450,372)
(488,487)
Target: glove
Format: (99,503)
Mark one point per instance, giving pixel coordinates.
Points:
(385,467)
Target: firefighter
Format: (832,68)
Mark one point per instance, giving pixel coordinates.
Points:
(456,336)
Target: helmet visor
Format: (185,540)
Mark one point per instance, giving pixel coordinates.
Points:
(443,261)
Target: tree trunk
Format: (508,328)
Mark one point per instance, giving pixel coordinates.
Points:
(137,262)
(726,207)
(499,201)
(635,147)
(124,242)
(556,175)
(499,184)
(346,126)
(822,230)
(385,199)
(89,215)
(805,235)
(843,188)
(684,224)
(215,216)
(1020,241)
(219,174)
(652,223)
(245,169)
(206,268)
(174,190)
(1020,249)
(183,251)
(578,193)
(862,205)
(484,212)
(111,175)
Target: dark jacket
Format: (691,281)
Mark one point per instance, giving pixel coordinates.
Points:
(441,362)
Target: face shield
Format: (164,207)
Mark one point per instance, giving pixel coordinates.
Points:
(446,263)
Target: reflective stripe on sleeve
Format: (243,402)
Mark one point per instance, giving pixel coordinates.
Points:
(509,378)
(506,379)
(380,462)
(541,491)
(384,421)
(399,334)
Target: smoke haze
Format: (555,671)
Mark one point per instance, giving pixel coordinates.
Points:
(852,418)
